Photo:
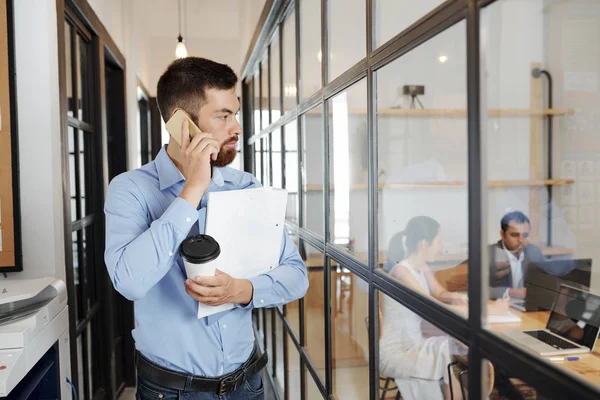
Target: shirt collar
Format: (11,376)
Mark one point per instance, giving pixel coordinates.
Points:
(169,174)
(511,255)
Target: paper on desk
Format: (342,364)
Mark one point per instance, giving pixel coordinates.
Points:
(503,318)
(248,225)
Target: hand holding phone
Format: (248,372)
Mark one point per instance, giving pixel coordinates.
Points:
(195,156)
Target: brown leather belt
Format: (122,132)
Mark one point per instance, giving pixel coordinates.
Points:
(193,383)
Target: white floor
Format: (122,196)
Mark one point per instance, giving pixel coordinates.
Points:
(128,394)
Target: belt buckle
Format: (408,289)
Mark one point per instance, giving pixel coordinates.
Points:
(224,385)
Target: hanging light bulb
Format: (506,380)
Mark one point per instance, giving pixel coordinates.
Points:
(180,49)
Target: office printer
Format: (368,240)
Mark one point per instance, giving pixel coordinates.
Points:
(34,337)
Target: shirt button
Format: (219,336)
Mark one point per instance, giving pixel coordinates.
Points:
(228,357)
(188,219)
(262,301)
(224,326)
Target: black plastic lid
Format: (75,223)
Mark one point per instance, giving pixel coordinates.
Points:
(199,249)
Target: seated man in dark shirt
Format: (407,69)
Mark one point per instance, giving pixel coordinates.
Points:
(512,256)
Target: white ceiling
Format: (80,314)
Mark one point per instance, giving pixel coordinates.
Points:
(206,19)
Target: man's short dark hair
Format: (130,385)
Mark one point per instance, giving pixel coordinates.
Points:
(515,216)
(185,81)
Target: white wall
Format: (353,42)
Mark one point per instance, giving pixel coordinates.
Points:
(38,123)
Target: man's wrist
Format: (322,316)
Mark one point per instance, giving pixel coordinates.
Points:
(243,291)
(192,194)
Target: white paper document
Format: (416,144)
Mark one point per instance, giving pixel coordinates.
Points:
(248,225)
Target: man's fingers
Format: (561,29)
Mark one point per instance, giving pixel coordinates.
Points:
(212,281)
(197,140)
(204,290)
(209,299)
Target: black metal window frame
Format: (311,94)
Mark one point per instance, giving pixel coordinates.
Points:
(96,321)
(483,344)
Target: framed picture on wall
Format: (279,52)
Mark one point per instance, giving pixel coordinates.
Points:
(10,235)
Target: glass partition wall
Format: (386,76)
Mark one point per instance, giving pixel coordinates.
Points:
(444,191)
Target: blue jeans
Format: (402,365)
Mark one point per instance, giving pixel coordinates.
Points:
(251,389)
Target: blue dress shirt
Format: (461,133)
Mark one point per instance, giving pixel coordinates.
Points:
(146,222)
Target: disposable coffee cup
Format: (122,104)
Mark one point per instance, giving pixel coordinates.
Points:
(199,253)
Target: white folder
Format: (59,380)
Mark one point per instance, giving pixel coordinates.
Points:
(248,225)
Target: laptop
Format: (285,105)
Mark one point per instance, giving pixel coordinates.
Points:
(544,278)
(572,328)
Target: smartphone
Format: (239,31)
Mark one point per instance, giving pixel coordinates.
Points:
(173,125)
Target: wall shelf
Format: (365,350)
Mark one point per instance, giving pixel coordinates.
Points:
(450,184)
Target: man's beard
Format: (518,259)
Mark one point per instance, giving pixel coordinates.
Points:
(225,156)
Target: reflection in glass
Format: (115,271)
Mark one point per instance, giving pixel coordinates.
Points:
(394,16)
(314,304)
(349,166)
(347,35)
(275,78)
(258,170)
(312,170)
(541,96)
(276,155)
(291,169)
(416,354)
(289,62)
(69,70)
(310,47)
(350,334)
(265,95)
(417,175)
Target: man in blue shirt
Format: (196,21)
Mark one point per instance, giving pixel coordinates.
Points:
(151,210)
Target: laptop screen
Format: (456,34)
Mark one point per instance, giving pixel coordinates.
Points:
(576,316)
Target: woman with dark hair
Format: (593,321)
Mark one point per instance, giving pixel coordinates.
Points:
(412,351)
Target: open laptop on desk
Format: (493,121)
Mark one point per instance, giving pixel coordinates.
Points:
(572,327)
(544,279)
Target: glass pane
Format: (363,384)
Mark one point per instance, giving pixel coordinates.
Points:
(89,369)
(89,263)
(419,179)
(257,112)
(310,47)
(264,77)
(312,170)
(77,274)
(415,356)
(394,16)
(269,335)
(72,172)
(275,78)
(279,358)
(350,334)
(543,201)
(293,371)
(291,169)
(80,368)
(314,306)
(266,161)
(69,69)
(289,63)
(347,34)
(312,390)
(348,170)
(276,156)
(83,80)
(258,160)
(84,172)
